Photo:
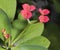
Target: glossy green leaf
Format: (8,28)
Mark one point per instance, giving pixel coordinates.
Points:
(18,27)
(14,33)
(19,24)
(21,18)
(4,22)
(41,41)
(31,31)
(29,47)
(9,6)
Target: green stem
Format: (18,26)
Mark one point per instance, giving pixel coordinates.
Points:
(9,42)
(28,21)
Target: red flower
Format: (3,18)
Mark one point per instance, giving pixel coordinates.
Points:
(3,31)
(6,36)
(32,8)
(43,18)
(44,11)
(26,14)
(28,7)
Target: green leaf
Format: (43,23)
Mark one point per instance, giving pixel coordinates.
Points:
(29,47)
(14,33)
(18,27)
(19,24)
(31,31)
(9,6)
(4,22)
(21,18)
(41,41)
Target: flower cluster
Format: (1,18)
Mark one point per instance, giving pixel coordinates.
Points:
(26,13)
(5,34)
(43,17)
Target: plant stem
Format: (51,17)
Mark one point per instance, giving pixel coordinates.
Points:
(28,21)
(9,42)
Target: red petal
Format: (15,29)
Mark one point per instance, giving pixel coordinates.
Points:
(26,14)
(32,8)
(43,19)
(26,7)
(6,36)
(44,11)
(40,11)
(3,30)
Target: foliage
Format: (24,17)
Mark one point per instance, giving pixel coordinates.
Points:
(21,33)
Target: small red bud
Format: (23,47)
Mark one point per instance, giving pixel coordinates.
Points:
(6,36)
(3,31)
